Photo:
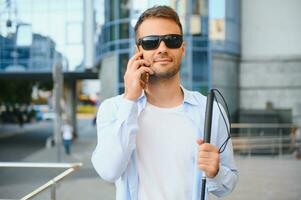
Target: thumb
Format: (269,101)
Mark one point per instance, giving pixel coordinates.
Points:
(200,141)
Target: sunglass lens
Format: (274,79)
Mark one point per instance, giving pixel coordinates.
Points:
(149,43)
(173,41)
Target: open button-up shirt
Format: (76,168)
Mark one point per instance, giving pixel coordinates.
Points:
(115,158)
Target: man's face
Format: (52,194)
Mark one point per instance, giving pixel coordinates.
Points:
(164,61)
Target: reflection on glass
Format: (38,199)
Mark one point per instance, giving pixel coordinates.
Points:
(24,35)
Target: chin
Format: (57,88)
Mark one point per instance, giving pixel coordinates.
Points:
(165,74)
(161,67)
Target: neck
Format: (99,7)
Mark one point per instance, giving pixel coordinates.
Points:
(165,93)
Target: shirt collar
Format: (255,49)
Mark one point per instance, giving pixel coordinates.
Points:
(188,97)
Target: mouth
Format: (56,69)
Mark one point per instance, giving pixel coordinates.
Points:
(163,60)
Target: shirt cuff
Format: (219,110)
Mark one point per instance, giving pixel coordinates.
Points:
(127,109)
(220,176)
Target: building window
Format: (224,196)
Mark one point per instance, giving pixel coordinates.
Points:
(112,12)
(123,61)
(124,9)
(124,30)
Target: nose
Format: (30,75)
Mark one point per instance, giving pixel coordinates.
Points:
(162,47)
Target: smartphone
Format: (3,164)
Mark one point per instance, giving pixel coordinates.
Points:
(145,76)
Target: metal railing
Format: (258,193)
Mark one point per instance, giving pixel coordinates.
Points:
(71,167)
(261,138)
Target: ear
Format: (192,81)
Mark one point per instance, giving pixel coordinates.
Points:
(183,49)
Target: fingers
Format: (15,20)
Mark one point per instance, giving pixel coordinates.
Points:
(199,141)
(204,154)
(210,170)
(135,57)
(134,82)
(143,69)
(209,165)
(139,72)
(136,62)
(208,148)
(205,160)
(208,158)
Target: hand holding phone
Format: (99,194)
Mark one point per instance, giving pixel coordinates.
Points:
(136,76)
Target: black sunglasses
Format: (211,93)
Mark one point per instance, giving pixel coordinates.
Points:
(151,42)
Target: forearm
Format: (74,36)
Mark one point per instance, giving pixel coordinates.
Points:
(113,153)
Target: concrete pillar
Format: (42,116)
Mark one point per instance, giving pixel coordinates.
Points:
(71,104)
(88,34)
(297,114)
(109,76)
(271,54)
(58,82)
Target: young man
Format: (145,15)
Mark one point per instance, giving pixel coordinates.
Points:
(149,138)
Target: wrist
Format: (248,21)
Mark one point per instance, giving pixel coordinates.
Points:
(214,174)
(130,97)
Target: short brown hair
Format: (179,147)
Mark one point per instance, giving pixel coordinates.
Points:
(159,12)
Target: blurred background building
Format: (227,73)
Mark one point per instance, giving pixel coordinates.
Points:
(247,50)
(34,36)
(270,65)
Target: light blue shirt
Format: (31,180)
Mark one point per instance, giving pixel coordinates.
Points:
(115,156)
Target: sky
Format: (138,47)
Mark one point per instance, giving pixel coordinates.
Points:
(217,9)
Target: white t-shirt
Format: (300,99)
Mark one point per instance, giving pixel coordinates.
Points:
(67,132)
(166,143)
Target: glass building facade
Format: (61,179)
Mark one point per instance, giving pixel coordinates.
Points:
(36,33)
(116,36)
(225,26)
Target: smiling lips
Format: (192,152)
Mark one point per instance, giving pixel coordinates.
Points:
(164,60)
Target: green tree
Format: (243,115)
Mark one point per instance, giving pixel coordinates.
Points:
(16,91)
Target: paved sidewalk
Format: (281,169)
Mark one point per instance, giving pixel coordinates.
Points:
(83,184)
(266,178)
(261,178)
(8,130)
